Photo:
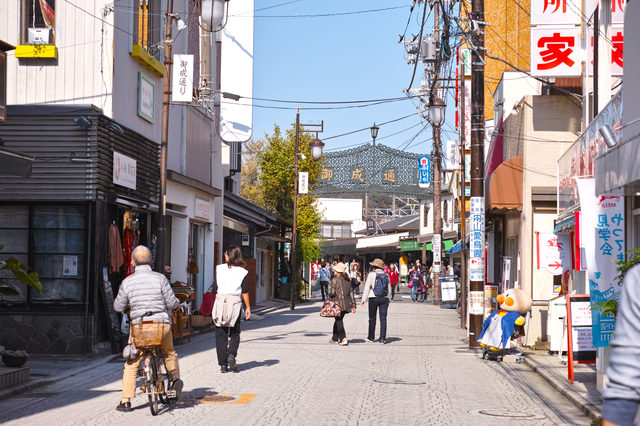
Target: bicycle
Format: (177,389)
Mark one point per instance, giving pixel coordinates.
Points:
(153,368)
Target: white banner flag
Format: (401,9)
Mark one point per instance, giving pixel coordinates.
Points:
(182,78)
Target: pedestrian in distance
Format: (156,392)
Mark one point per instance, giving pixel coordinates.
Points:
(377,289)
(231,290)
(141,293)
(394,278)
(415,279)
(354,276)
(621,399)
(342,291)
(324,275)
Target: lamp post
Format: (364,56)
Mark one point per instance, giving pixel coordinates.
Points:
(374,134)
(436,116)
(316,152)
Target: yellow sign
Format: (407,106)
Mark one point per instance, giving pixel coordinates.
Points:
(389,175)
(356,174)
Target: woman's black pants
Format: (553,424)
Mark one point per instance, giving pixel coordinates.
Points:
(338,328)
(227,341)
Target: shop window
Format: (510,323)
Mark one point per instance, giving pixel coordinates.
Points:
(147,26)
(51,239)
(38,22)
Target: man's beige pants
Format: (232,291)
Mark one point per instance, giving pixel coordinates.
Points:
(170,358)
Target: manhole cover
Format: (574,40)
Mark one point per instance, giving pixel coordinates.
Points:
(508,414)
(211,398)
(397,382)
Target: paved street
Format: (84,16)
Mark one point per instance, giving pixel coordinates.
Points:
(290,374)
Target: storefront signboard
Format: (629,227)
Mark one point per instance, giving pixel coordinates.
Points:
(146,97)
(202,209)
(579,160)
(553,252)
(601,237)
(124,170)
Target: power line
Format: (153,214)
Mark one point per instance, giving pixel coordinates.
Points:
(325,15)
(415,66)
(367,128)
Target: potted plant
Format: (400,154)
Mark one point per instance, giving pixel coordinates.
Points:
(14,358)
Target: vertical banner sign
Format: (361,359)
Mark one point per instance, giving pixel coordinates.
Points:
(424,171)
(452,160)
(436,247)
(476,303)
(467,115)
(476,239)
(303,183)
(553,252)
(506,273)
(490,299)
(182,78)
(602,236)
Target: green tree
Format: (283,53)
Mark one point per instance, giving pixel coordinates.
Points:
(21,272)
(250,175)
(277,180)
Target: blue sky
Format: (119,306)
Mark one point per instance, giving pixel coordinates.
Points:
(338,58)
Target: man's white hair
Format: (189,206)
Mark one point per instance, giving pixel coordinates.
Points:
(141,256)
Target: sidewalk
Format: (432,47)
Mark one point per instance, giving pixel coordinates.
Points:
(47,369)
(582,393)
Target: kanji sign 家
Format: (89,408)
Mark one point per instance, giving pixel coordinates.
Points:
(555,51)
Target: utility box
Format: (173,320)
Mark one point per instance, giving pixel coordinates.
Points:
(556,324)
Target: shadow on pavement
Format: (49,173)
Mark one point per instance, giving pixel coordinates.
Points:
(256,364)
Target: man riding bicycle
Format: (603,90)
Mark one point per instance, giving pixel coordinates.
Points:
(144,292)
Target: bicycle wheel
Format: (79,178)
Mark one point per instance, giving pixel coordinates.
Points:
(152,381)
(163,381)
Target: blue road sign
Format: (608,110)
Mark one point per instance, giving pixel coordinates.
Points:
(424,171)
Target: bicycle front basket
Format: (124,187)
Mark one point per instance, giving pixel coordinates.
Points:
(148,333)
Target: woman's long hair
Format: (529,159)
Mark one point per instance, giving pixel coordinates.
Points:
(235,257)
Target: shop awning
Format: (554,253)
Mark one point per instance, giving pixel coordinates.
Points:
(565,224)
(447,245)
(456,247)
(505,186)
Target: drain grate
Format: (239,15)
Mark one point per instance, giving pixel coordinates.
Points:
(508,414)
(399,382)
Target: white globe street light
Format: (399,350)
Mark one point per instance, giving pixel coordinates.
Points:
(316,148)
(437,112)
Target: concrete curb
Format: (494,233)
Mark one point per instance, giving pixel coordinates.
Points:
(34,383)
(576,399)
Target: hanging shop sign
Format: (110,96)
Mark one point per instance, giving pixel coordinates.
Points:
(146,97)
(202,209)
(182,78)
(124,170)
(424,171)
(617,50)
(545,12)
(476,239)
(601,238)
(303,182)
(555,51)
(436,243)
(553,252)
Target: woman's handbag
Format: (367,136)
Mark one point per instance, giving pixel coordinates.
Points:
(330,308)
(207,302)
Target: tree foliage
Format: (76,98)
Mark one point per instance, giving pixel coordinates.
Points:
(268,180)
(21,272)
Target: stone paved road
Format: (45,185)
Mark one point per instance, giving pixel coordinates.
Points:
(291,375)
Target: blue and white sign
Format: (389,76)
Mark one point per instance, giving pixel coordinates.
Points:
(476,239)
(424,171)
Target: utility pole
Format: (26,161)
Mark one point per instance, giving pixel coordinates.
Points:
(164,138)
(437,168)
(463,202)
(476,246)
(294,230)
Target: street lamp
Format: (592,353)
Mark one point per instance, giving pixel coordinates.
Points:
(374,132)
(316,152)
(316,148)
(436,112)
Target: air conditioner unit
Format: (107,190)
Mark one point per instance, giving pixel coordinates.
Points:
(39,35)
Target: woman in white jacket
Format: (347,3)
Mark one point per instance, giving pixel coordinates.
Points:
(231,290)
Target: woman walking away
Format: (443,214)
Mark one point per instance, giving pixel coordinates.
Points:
(354,275)
(231,289)
(376,291)
(342,291)
(394,277)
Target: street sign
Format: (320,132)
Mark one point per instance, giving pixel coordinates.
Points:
(424,171)
(436,248)
(476,239)
(303,182)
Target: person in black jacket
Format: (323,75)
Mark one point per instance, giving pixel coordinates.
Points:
(342,291)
